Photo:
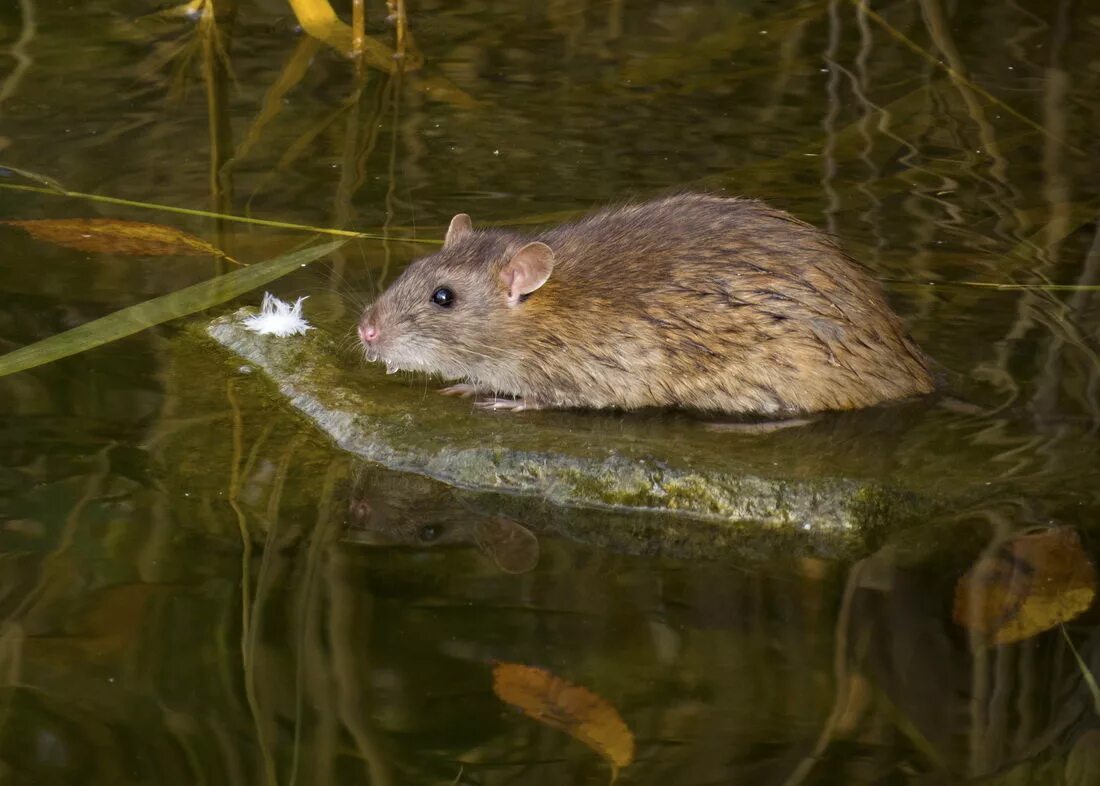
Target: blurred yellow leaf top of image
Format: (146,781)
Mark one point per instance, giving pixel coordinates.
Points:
(1032,583)
(111,236)
(566,707)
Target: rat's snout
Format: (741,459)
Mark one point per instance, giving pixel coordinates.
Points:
(369,327)
(373,332)
(368,332)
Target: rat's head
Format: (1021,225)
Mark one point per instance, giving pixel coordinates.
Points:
(447,312)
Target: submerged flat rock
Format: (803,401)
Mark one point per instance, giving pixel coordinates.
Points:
(809,478)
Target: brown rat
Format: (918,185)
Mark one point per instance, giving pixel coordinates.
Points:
(692,301)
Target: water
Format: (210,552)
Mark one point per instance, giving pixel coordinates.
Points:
(182,599)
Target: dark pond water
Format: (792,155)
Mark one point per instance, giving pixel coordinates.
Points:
(196,587)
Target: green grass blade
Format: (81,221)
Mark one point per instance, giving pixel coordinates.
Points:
(161,309)
(1086,673)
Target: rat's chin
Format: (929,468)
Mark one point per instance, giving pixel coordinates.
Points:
(392,366)
(373,355)
(394,359)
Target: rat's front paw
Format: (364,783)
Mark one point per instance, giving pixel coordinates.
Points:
(505,404)
(462,390)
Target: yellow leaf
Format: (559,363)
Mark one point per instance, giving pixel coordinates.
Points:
(1031,584)
(109,236)
(567,707)
(319,20)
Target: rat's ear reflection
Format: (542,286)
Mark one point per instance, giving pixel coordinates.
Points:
(513,547)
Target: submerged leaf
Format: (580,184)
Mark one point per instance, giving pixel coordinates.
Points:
(1031,584)
(111,236)
(162,309)
(567,707)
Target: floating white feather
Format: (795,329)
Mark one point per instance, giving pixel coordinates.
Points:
(277,318)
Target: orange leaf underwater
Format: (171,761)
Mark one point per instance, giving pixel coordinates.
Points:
(567,707)
(109,236)
(1031,584)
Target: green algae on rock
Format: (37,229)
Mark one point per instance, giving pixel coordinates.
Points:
(668,463)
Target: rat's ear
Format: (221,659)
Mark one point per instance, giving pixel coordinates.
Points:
(459,228)
(513,547)
(527,270)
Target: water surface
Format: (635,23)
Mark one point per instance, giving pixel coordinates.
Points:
(198,588)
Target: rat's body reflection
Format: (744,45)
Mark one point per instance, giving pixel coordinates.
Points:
(385,509)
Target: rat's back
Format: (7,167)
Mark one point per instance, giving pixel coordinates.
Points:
(716,304)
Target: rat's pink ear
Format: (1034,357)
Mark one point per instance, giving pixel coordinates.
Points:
(460,227)
(527,270)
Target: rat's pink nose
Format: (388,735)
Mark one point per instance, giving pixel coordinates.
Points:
(367,332)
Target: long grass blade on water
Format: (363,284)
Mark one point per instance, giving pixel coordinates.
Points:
(158,310)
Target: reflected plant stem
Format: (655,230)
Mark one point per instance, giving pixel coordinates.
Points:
(184,731)
(938,29)
(20,52)
(955,75)
(360,134)
(264,580)
(401,24)
(1039,304)
(391,189)
(11,628)
(861,85)
(842,678)
(984,675)
(941,36)
(92,490)
(308,607)
(1056,190)
(1056,93)
(828,154)
(923,204)
(349,171)
(348,661)
(325,733)
(215,71)
(788,66)
(246,584)
(853,691)
(359,37)
(360,138)
(275,98)
(1090,276)
(614,21)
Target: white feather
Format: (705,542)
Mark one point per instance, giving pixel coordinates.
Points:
(277,318)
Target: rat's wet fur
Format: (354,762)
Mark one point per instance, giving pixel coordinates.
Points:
(693,301)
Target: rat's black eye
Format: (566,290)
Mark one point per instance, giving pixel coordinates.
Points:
(443,297)
(429,532)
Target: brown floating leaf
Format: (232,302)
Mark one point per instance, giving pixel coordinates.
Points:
(1031,584)
(570,708)
(110,236)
